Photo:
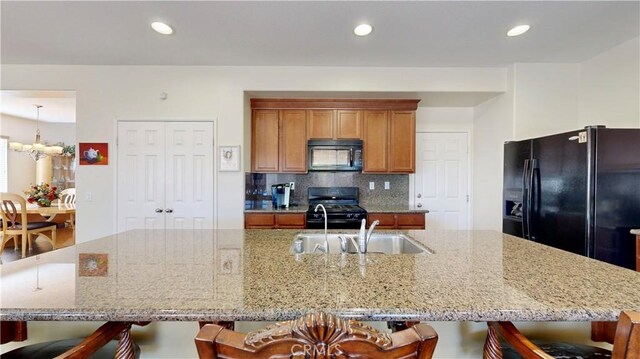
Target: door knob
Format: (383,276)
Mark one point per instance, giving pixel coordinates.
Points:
(169,210)
(158,210)
(419,195)
(419,205)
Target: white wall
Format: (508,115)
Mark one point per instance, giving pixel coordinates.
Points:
(545,99)
(610,87)
(21,168)
(106,94)
(493,125)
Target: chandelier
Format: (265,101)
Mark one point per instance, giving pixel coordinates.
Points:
(37,150)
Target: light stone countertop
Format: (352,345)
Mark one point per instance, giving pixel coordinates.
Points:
(395,208)
(251,275)
(635,231)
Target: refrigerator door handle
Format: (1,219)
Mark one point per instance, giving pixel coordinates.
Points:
(533,166)
(525,195)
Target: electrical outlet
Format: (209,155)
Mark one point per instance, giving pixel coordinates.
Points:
(387,185)
(292,185)
(88,196)
(372,185)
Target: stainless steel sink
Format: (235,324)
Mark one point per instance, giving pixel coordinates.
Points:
(392,243)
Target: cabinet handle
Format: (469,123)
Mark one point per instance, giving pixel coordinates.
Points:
(419,205)
(419,195)
(169,210)
(158,210)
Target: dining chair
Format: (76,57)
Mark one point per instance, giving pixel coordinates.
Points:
(626,343)
(15,223)
(314,335)
(68,196)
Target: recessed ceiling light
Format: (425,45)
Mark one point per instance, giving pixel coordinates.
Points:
(518,30)
(162,28)
(362,30)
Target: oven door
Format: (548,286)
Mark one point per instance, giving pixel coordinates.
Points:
(333,224)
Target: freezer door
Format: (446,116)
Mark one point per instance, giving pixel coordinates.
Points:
(617,195)
(515,155)
(559,192)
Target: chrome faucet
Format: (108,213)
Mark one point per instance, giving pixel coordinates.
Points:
(364,237)
(326,240)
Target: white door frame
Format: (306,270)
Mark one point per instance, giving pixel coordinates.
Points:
(445,129)
(114,149)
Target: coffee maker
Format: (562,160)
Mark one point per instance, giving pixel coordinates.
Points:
(280,195)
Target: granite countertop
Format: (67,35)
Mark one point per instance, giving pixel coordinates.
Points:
(251,275)
(291,209)
(370,209)
(636,232)
(395,209)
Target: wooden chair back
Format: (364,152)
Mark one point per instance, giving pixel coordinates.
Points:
(316,335)
(68,196)
(626,343)
(10,212)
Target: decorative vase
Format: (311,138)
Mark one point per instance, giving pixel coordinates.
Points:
(44,203)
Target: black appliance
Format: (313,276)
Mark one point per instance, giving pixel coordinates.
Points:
(335,155)
(578,191)
(341,203)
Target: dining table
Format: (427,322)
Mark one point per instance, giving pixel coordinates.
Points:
(257,275)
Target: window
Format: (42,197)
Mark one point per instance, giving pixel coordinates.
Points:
(3,164)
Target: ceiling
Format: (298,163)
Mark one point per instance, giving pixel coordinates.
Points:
(312,33)
(57,106)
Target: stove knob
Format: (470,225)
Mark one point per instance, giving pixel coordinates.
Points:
(348,215)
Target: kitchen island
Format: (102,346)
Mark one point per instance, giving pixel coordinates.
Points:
(251,275)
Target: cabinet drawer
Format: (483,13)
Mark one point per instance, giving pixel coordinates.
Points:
(411,221)
(291,220)
(259,220)
(387,220)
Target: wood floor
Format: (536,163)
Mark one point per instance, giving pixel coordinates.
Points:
(65,238)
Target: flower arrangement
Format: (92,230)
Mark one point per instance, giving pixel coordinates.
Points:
(42,194)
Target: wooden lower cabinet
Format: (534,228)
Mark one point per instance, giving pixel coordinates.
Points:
(274,220)
(398,220)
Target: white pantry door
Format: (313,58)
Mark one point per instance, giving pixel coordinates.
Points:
(442,179)
(165,175)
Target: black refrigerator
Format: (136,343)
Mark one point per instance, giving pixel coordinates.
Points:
(578,191)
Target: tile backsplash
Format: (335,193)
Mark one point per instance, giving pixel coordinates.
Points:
(258,187)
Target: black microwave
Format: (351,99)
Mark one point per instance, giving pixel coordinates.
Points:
(335,155)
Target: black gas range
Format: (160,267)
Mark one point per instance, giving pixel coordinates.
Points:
(341,203)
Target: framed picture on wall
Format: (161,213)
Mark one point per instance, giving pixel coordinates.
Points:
(93,153)
(229,158)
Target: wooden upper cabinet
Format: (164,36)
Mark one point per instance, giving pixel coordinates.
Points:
(320,124)
(293,141)
(402,141)
(376,141)
(264,141)
(348,124)
(280,129)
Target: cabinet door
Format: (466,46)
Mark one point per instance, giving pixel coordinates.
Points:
(259,220)
(293,141)
(376,141)
(264,141)
(320,124)
(387,220)
(349,124)
(291,220)
(402,142)
(410,220)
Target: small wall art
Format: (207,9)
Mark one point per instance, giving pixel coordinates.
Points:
(93,153)
(229,158)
